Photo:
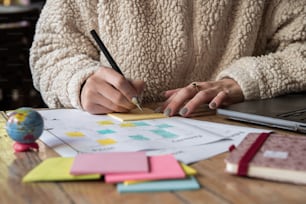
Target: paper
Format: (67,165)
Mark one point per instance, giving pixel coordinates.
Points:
(86,133)
(70,132)
(55,169)
(189,183)
(199,152)
(161,167)
(115,162)
(137,114)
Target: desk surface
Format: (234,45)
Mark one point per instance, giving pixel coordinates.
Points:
(216,185)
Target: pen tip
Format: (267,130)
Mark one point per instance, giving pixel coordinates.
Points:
(139,107)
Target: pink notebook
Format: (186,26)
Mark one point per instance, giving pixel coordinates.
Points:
(161,167)
(278,157)
(114,162)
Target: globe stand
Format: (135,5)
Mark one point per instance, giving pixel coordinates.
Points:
(23,147)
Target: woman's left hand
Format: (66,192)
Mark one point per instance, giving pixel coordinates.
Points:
(215,93)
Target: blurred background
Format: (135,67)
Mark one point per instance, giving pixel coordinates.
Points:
(17,26)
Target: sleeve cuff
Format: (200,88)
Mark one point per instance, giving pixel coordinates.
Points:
(75,84)
(243,71)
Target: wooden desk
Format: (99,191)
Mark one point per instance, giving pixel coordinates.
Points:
(217,186)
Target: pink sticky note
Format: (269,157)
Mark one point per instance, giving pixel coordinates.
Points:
(113,162)
(161,167)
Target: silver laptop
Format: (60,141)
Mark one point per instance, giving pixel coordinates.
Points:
(286,112)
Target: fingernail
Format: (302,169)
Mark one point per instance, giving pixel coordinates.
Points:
(183,111)
(167,112)
(135,100)
(158,109)
(212,105)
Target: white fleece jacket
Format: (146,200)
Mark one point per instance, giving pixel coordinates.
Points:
(171,43)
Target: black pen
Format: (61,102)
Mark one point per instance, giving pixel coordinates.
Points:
(112,62)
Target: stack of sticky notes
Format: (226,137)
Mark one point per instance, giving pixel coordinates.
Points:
(131,171)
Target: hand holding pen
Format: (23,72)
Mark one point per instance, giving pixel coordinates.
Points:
(107,90)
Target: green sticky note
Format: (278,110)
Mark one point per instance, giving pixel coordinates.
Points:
(56,169)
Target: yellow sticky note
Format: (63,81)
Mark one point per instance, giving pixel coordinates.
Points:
(74,134)
(105,122)
(127,125)
(189,171)
(56,169)
(107,141)
(136,114)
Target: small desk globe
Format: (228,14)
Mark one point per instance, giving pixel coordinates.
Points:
(24,126)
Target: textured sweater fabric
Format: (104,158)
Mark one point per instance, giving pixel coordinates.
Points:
(169,44)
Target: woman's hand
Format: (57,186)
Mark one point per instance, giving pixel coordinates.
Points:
(107,91)
(215,93)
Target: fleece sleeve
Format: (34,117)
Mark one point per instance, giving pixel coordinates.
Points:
(62,55)
(282,69)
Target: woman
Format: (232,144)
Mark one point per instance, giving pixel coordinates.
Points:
(184,53)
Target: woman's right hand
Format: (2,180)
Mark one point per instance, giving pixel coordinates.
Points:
(107,91)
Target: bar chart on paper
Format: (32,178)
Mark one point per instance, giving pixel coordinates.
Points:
(71,131)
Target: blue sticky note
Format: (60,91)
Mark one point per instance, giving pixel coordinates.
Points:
(106,131)
(139,137)
(140,123)
(164,133)
(164,126)
(190,183)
